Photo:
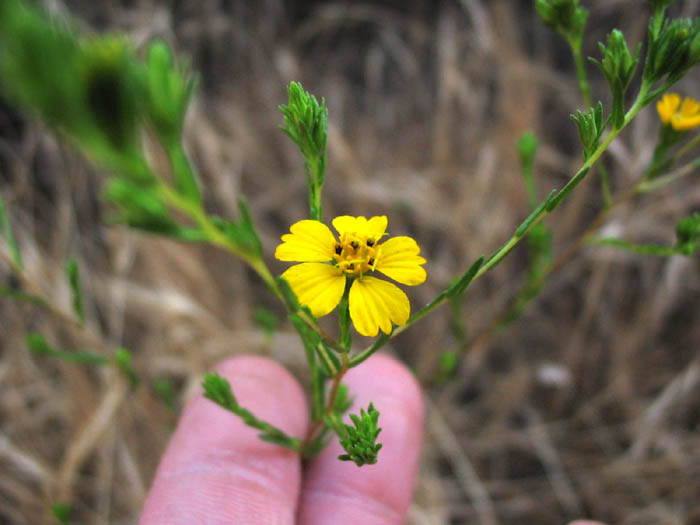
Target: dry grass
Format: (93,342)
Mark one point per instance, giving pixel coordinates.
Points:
(586,406)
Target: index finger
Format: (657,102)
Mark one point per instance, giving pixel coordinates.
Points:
(217,470)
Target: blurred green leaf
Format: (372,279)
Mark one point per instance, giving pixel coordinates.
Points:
(73,274)
(218,389)
(7,233)
(39,346)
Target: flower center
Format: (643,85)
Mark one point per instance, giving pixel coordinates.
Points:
(356,254)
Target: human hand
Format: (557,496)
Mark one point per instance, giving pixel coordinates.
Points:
(216,470)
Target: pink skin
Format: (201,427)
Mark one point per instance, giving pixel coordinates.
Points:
(216,470)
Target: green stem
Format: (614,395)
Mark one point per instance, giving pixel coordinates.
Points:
(217,238)
(583,84)
(345,335)
(545,208)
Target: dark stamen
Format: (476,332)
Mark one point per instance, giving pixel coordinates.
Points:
(371,261)
(338,249)
(354,245)
(370,242)
(351,266)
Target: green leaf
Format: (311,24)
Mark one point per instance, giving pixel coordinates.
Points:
(327,359)
(73,274)
(527,148)
(21,296)
(266,320)
(218,389)
(618,65)
(141,207)
(643,249)
(458,287)
(170,89)
(525,225)
(61,512)
(590,128)
(165,390)
(673,50)
(242,233)
(39,346)
(688,234)
(565,17)
(122,357)
(359,440)
(9,237)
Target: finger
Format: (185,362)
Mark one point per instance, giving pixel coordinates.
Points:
(217,470)
(340,492)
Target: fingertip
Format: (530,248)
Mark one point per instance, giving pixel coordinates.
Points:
(216,469)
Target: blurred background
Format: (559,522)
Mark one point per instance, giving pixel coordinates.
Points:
(585,406)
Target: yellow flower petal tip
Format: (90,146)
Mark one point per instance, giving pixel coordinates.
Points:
(681,116)
(357,253)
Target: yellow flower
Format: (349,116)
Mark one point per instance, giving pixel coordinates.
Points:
(681,117)
(327,263)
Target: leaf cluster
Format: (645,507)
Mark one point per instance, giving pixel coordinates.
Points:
(688,234)
(618,65)
(566,17)
(590,128)
(359,440)
(306,123)
(673,50)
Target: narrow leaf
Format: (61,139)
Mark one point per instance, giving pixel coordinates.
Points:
(9,237)
(73,274)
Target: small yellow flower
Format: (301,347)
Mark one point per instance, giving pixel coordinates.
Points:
(319,282)
(681,117)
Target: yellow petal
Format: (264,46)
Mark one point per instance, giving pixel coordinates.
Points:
(690,107)
(667,106)
(375,304)
(318,286)
(399,260)
(685,123)
(310,241)
(374,228)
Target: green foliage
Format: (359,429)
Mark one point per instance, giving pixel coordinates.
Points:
(22,296)
(660,4)
(266,320)
(618,65)
(457,288)
(688,234)
(328,360)
(140,206)
(590,128)
(73,274)
(169,89)
(9,237)
(165,390)
(39,346)
(242,234)
(527,149)
(306,123)
(61,512)
(672,51)
(642,249)
(122,358)
(360,439)
(566,17)
(448,362)
(662,160)
(218,389)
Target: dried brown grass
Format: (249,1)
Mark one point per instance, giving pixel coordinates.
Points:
(586,406)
